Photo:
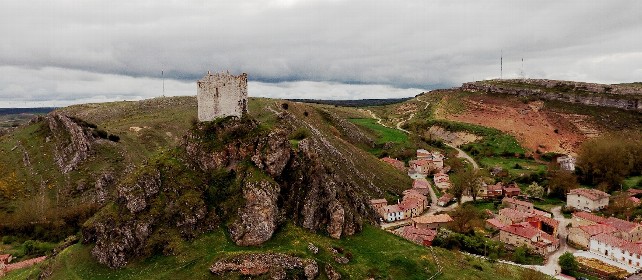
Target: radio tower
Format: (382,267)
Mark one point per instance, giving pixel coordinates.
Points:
(521,73)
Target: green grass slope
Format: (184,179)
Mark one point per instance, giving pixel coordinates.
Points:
(374,253)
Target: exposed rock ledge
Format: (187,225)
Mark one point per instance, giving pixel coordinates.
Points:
(273,264)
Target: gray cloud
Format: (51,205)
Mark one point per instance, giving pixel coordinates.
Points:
(73,50)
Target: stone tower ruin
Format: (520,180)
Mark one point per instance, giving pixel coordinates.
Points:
(221,95)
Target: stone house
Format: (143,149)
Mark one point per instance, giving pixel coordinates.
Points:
(431,221)
(413,204)
(617,249)
(524,234)
(378,203)
(628,230)
(584,219)
(518,205)
(442,181)
(512,190)
(391,213)
(221,95)
(580,236)
(397,164)
(422,186)
(587,199)
(417,235)
(510,216)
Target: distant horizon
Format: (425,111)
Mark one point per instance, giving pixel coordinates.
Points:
(59,52)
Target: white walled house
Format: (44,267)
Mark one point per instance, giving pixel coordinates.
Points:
(587,199)
(392,213)
(617,249)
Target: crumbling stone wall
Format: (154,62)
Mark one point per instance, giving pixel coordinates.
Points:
(221,95)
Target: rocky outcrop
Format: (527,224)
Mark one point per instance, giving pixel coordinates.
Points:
(615,96)
(273,264)
(264,183)
(257,219)
(73,142)
(331,272)
(136,194)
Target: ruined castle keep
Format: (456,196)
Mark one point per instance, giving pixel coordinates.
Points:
(221,95)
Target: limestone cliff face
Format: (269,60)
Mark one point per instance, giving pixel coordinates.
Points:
(73,142)
(615,96)
(265,182)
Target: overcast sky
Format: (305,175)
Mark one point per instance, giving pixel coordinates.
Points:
(60,52)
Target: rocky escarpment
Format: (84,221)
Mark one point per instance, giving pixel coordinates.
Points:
(274,264)
(232,171)
(615,96)
(73,141)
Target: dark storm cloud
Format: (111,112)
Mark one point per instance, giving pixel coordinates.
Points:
(84,46)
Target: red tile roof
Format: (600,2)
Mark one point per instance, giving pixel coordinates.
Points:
(592,230)
(4,258)
(622,225)
(416,235)
(511,200)
(521,229)
(431,219)
(495,223)
(589,217)
(392,208)
(591,194)
(420,183)
(540,213)
(409,203)
(495,188)
(446,198)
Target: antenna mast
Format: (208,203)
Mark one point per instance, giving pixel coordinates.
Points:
(501,65)
(522,72)
(163,77)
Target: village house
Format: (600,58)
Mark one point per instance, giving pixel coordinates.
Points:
(491,191)
(566,163)
(580,236)
(629,230)
(617,249)
(377,204)
(399,165)
(431,221)
(511,190)
(584,219)
(442,181)
(413,203)
(422,186)
(445,199)
(545,224)
(587,199)
(518,205)
(524,234)
(417,235)
(494,223)
(391,213)
(509,216)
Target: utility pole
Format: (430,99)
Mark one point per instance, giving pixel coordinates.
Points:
(163,78)
(501,65)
